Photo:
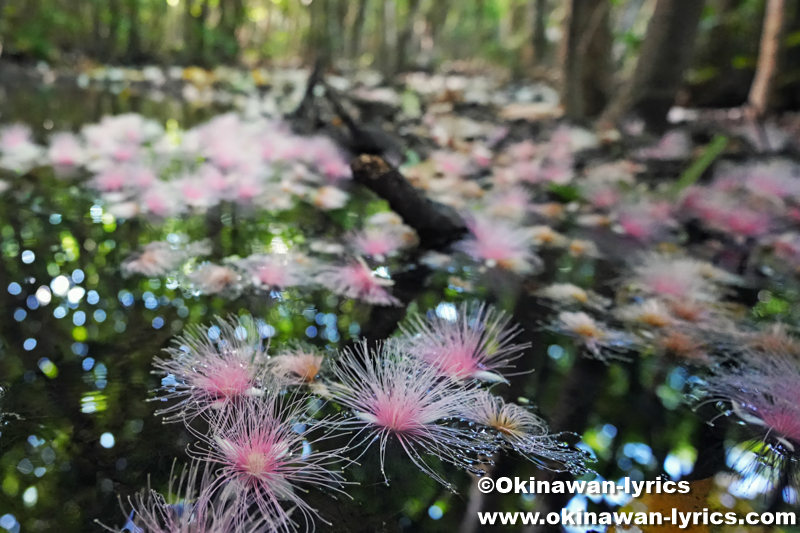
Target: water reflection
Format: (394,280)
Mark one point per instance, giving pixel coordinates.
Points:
(78,338)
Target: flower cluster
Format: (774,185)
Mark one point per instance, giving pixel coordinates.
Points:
(264,441)
(138,167)
(762,391)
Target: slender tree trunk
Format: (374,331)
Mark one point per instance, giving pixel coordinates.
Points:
(586,59)
(539,31)
(115,16)
(97,25)
(230,20)
(762,92)
(389,36)
(133,53)
(405,35)
(358,29)
(666,53)
(202,33)
(319,36)
(154,42)
(221,47)
(480,27)
(189,37)
(437,18)
(195,39)
(338,28)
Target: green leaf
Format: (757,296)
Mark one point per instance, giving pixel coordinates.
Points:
(567,193)
(693,173)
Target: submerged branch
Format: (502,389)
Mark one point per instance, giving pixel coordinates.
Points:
(437,225)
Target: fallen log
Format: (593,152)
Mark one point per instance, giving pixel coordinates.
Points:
(436,224)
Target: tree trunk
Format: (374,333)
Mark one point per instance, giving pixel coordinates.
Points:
(202,33)
(437,18)
(762,92)
(586,59)
(405,35)
(480,26)
(97,29)
(221,44)
(389,36)
(133,54)
(358,29)
(539,31)
(195,32)
(319,36)
(230,20)
(115,17)
(666,53)
(338,28)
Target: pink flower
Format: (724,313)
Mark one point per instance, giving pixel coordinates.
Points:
(15,137)
(379,242)
(195,192)
(499,244)
(396,396)
(322,153)
(336,170)
(299,365)
(764,393)
(266,459)
(595,336)
(244,188)
(124,153)
(564,293)
(141,177)
(528,171)
(708,205)
(357,281)
(482,155)
(560,146)
(787,248)
(523,151)
(745,222)
(518,429)
(160,258)
(650,313)
(187,508)
(285,148)
(161,200)
(114,178)
(645,221)
(674,144)
(214,279)
(212,179)
(772,181)
(678,278)
(228,153)
(211,367)
(511,203)
(471,342)
(451,163)
(65,150)
(328,197)
(558,172)
(274,272)
(601,195)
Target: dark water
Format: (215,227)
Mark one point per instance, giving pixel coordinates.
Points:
(77,430)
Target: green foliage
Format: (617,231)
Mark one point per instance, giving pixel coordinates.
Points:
(692,174)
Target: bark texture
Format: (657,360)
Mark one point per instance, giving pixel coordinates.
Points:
(586,59)
(665,55)
(762,92)
(436,224)
(539,30)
